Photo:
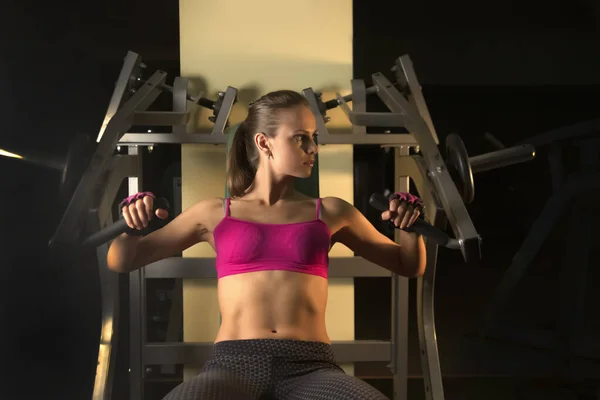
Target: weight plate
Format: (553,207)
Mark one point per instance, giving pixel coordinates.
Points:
(457,161)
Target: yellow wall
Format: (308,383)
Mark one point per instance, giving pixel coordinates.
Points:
(256,47)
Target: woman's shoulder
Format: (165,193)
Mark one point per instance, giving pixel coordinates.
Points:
(336,206)
(208,206)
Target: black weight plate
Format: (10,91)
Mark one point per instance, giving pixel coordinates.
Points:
(457,161)
(76,162)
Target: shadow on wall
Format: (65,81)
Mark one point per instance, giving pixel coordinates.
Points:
(294,74)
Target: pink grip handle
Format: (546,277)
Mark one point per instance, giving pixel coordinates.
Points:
(136,197)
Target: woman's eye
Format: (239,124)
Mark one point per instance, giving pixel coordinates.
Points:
(301,138)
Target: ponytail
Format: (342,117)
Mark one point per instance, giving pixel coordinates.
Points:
(240,173)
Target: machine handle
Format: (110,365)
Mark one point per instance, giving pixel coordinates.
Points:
(381,203)
(120,226)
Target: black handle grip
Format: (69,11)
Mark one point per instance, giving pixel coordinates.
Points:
(120,226)
(381,203)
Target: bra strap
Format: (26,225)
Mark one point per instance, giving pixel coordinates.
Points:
(226,206)
(319,208)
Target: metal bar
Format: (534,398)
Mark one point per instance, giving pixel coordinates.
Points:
(413,167)
(404,68)
(136,309)
(359,103)
(358,115)
(430,361)
(160,118)
(121,167)
(198,353)
(552,211)
(145,139)
(502,158)
(229,99)
(313,103)
(565,133)
(69,225)
(109,287)
(131,63)
(364,119)
(179,105)
(193,268)
(400,300)
(175,321)
(140,101)
(437,172)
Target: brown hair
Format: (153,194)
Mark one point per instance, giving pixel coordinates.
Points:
(262,117)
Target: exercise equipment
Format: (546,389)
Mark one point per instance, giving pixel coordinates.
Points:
(381,203)
(574,191)
(445,206)
(137,80)
(120,227)
(127,107)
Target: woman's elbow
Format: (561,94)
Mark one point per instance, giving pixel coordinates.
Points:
(419,269)
(413,264)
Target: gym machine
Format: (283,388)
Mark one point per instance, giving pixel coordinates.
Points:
(444,184)
(574,190)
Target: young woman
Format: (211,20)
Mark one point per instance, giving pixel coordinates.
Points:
(272,247)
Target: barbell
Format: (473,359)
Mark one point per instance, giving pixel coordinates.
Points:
(461,167)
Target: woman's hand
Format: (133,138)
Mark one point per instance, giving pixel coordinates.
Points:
(404,210)
(137,210)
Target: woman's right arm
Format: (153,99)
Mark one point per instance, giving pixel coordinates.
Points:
(128,253)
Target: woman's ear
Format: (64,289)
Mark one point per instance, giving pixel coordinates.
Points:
(262,142)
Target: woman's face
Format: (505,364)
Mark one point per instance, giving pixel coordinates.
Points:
(294,146)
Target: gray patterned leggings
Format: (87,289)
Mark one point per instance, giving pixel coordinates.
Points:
(273,369)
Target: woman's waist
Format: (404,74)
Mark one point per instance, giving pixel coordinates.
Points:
(304,326)
(279,348)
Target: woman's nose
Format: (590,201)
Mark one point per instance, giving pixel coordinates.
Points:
(313,148)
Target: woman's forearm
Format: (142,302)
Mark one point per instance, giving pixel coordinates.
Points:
(413,254)
(122,253)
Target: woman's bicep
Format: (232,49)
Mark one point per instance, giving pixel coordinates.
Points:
(182,232)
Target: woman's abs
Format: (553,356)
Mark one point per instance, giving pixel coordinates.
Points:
(273,305)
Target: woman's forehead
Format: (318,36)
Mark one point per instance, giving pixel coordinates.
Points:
(298,118)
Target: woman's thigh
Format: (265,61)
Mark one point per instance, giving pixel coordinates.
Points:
(328,384)
(215,384)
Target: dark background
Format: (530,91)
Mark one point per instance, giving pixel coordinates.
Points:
(515,69)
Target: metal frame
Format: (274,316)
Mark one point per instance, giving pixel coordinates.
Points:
(400,300)
(566,344)
(69,226)
(99,217)
(438,175)
(427,171)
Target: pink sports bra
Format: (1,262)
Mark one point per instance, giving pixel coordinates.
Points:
(245,246)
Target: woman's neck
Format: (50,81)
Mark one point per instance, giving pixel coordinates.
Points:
(269,189)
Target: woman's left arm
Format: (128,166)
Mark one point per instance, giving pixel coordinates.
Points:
(407,258)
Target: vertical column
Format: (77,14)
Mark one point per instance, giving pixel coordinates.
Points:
(336,175)
(258,47)
(400,302)
(137,298)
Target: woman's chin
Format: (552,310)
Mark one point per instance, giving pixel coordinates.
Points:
(306,173)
